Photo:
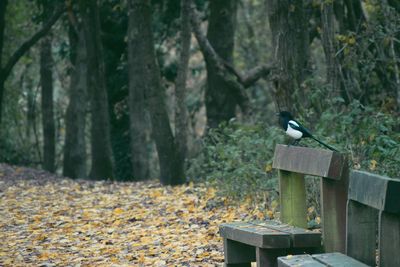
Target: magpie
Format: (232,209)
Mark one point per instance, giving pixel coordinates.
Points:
(295,130)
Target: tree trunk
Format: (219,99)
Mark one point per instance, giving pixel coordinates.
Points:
(181,114)
(330,48)
(220,101)
(102,165)
(30,107)
(75,121)
(46,81)
(3,8)
(137,105)
(147,77)
(290,41)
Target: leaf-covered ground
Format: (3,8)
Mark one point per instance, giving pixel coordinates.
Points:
(54,221)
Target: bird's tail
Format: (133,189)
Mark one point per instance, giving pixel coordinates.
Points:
(325,145)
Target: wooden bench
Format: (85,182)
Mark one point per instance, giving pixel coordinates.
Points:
(249,243)
(373,225)
(263,242)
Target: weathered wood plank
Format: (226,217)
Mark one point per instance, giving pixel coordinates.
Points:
(301,238)
(333,203)
(337,260)
(254,235)
(238,254)
(311,161)
(292,198)
(362,226)
(389,240)
(298,261)
(377,191)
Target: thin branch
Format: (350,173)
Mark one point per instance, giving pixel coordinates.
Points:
(31,41)
(252,76)
(224,68)
(213,58)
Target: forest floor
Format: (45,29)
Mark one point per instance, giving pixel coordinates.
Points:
(47,220)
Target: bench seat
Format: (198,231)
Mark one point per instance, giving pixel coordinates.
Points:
(319,260)
(263,242)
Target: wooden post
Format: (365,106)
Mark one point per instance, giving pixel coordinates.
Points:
(362,223)
(389,239)
(292,198)
(238,254)
(268,257)
(334,206)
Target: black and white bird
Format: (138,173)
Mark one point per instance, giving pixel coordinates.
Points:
(295,130)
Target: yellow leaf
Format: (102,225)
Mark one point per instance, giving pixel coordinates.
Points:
(372,165)
(270,214)
(117,222)
(118,211)
(268,167)
(351,40)
(141,258)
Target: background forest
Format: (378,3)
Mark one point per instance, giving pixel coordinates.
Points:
(188,90)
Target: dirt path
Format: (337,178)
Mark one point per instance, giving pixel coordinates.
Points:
(47,220)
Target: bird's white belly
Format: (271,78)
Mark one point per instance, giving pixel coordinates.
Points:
(293,133)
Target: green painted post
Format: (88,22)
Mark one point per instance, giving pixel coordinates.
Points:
(292,198)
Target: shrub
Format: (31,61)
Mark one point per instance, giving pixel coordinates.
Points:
(237,159)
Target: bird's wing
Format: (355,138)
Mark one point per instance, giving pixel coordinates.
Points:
(297,126)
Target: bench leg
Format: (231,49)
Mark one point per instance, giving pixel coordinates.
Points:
(237,254)
(269,257)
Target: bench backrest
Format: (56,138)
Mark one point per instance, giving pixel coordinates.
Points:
(293,163)
(373,219)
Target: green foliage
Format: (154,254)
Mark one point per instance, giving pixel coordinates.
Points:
(238,160)
(370,137)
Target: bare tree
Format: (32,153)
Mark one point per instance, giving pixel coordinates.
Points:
(181,114)
(74,164)
(102,164)
(220,100)
(146,76)
(46,81)
(137,106)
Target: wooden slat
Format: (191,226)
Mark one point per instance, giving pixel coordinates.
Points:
(337,260)
(311,161)
(333,203)
(298,261)
(389,240)
(292,198)
(254,235)
(301,238)
(362,225)
(377,191)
